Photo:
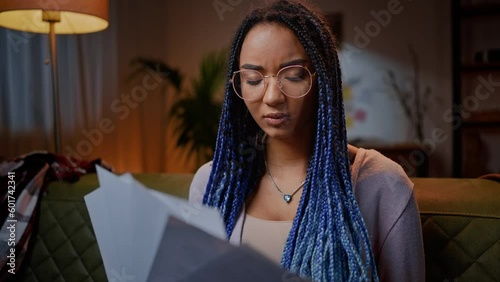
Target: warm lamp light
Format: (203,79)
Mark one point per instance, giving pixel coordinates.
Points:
(83,16)
(55,17)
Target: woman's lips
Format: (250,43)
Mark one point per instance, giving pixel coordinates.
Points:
(276,119)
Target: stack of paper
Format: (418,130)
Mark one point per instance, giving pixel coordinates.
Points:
(146,235)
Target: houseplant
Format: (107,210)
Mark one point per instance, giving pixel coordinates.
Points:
(196,112)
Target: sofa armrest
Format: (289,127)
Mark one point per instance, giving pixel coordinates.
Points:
(461,228)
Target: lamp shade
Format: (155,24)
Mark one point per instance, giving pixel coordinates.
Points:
(72,16)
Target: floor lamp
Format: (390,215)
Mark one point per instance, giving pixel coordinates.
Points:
(55,17)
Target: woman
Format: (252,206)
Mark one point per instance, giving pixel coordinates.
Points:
(284,177)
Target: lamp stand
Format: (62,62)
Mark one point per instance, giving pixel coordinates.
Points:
(52,18)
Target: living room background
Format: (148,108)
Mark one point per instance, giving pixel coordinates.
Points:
(132,134)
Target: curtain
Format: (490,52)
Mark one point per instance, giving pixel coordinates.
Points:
(105,113)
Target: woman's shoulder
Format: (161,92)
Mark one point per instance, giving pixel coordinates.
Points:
(204,170)
(371,165)
(199,183)
(376,176)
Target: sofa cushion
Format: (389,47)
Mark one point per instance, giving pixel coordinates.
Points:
(65,247)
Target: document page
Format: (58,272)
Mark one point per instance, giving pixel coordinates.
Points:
(147,235)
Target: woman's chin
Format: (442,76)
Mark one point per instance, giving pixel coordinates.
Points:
(279,134)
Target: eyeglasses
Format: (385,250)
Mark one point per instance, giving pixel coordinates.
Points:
(293,81)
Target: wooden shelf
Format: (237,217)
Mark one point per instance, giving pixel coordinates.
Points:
(483,119)
(480,10)
(466,21)
(486,67)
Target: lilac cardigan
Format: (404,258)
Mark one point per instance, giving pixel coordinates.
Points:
(385,197)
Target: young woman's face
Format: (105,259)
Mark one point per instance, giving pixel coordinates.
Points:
(268,48)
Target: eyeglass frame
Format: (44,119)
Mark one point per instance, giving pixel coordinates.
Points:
(265,82)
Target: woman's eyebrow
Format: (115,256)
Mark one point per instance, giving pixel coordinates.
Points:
(251,67)
(286,64)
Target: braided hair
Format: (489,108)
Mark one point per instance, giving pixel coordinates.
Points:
(328,240)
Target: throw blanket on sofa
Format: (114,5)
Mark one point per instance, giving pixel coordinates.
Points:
(23,181)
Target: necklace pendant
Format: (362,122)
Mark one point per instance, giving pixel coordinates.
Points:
(287,198)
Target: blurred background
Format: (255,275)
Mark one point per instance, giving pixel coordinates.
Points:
(421,84)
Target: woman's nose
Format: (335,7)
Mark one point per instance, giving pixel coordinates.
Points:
(272,93)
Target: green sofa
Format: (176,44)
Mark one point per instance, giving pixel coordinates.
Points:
(460,223)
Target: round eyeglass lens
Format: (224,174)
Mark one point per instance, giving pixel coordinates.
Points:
(248,84)
(295,81)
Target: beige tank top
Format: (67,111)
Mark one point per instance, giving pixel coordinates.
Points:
(266,236)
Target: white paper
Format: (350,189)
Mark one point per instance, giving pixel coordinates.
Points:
(118,192)
(204,218)
(136,219)
(146,235)
(98,212)
(129,221)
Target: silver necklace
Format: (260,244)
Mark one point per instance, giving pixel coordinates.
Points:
(286,197)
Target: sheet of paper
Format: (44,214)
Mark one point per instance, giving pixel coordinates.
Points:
(202,217)
(150,219)
(206,218)
(137,222)
(188,254)
(118,195)
(98,211)
(146,235)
